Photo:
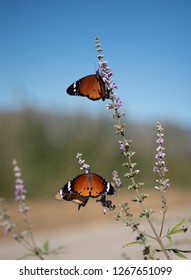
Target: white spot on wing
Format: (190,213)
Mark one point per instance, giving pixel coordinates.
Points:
(107,187)
(61,193)
(69,186)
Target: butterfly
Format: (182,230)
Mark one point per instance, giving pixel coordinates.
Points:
(84,186)
(91,86)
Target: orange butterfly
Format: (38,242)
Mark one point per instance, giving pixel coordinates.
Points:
(84,186)
(91,86)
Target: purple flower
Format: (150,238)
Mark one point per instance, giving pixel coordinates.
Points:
(118,102)
(23,208)
(5,222)
(84,166)
(160,139)
(106,203)
(160,165)
(106,73)
(109,106)
(116,179)
(122,147)
(20,190)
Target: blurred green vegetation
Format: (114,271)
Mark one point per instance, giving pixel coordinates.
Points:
(45,146)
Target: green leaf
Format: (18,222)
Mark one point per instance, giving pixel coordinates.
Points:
(177,228)
(46,246)
(132,243)
(170,240)
(180,255)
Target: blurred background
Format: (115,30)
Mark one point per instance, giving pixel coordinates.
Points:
(46,46)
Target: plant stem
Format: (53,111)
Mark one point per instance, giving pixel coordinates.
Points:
(157,237)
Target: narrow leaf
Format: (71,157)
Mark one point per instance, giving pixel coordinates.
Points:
(180,255)
(46,246)
(170,240)
(176,228)
(132,243)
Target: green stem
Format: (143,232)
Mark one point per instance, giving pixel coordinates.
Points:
(157,237)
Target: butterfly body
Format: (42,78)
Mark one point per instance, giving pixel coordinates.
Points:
(91,86)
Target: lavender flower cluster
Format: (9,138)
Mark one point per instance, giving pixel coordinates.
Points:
(84,166)
(20,190)
(160,165)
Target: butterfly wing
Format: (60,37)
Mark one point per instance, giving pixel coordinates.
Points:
(74,197)
(81,185)
(91,86)
(101,186)
(89,185)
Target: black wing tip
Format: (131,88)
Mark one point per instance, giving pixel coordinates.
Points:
(111,190)
(70,90)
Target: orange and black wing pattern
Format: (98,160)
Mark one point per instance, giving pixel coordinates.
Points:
(92,87)
(89,185)
(84,186)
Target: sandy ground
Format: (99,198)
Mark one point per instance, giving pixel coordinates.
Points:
(90,234)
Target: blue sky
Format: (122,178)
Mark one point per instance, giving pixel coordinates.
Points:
(45,45)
